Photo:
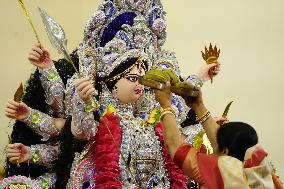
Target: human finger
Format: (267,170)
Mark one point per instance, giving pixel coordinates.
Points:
(90,91)
(12,150)
(82,86)
(10,111)
(85,89)
(38,50)
(35,54)
(13,102)
(42,47)
(16,154)
(217,69)
(80,81)
(12,145)
(12,116)
(11,106)
(32,58)
(14,159)
(212,65)
(18,145)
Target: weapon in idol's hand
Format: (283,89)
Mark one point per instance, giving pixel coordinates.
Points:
(211,55)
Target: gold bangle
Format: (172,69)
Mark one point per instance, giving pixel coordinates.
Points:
(168,109)
(205,118)
(198,119)
(166,112)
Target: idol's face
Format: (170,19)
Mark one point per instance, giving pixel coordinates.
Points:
(127,89)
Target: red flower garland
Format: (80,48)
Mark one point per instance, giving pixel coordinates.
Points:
(106,156)
(175,175)
(105,153)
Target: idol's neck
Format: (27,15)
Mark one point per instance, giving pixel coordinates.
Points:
(124,109)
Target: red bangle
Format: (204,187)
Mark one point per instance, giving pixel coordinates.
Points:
(181,154)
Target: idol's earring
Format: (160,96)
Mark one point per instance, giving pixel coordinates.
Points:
(115,89)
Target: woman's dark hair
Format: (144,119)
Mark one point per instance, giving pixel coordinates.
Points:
(237,137)
(190,119)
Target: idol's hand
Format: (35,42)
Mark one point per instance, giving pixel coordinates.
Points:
(17,110)
(40,57)
(221,120)
(164,96)
(85,89)
(17,153)
(206,72)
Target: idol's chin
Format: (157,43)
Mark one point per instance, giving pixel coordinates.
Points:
(132,100)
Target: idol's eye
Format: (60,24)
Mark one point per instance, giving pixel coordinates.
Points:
(132,77)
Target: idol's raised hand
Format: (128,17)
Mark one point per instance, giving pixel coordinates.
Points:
(85,88)
(17,153)
(40,57)
(17,110)
(221,120)
(207,71)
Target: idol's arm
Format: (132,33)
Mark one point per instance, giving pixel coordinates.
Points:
(43,124)
(204,74)
(53,88)
(47,180)
(43,154)
(81,104)
(39,122)
(50,80)
(40,154)
(83,125)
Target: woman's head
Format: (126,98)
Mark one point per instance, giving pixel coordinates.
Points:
(123,80)
(234,138)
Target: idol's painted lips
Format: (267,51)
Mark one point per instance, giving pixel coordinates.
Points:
(137,91)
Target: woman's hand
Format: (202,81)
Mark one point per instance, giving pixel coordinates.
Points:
(85,89)
(164,97)
(17,110)
(206,72)
(18,153)
(194,102)
(40,57)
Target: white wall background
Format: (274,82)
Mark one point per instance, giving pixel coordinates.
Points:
(250,34)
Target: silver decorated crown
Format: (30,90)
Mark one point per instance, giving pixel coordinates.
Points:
(123,29)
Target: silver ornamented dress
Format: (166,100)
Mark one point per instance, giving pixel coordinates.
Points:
(141,158)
